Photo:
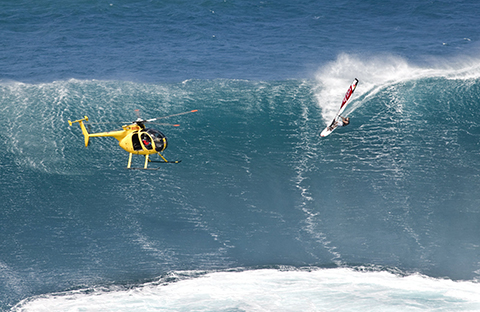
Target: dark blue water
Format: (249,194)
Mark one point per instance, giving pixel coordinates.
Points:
(262,213)
(165,41)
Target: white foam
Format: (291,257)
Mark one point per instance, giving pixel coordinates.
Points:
(377,73)
(338,289)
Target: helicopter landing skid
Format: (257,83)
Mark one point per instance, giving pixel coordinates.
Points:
(132,168)
(147,160)
(166,162)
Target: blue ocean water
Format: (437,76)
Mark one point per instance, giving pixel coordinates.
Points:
(261,214)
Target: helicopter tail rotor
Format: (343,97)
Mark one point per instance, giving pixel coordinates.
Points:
(82,126)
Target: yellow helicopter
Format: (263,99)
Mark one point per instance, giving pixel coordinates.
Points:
(135,138)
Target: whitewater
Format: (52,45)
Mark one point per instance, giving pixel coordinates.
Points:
(274,290)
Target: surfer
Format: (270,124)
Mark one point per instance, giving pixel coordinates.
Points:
(342,122)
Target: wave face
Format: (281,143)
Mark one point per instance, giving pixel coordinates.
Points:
(396,192)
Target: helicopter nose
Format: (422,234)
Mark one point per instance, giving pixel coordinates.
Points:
(161,144)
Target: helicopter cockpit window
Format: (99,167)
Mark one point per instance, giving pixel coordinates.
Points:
(158,138)
(147,141)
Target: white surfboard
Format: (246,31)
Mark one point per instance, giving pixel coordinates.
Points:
(329,129)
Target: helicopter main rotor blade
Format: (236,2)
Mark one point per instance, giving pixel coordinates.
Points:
(137,112)
(165,124)
(192,111)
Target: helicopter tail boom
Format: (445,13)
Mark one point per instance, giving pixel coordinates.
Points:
(82,126)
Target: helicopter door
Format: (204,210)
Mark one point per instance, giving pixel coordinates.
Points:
(136,142)
(147,141)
